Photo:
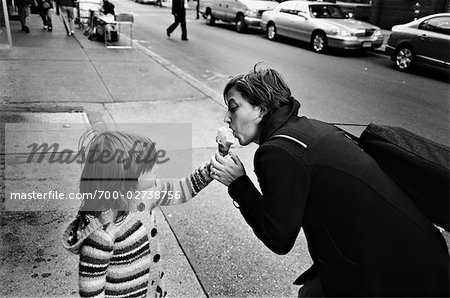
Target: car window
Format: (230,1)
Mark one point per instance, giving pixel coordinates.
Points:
(438,24)
(301,8)
(327,11)
(288,7)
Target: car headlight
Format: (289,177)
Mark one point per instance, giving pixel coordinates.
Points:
(377,32)
(340,32)
(251,12)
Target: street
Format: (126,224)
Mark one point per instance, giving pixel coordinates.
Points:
(339,87)
(181,82)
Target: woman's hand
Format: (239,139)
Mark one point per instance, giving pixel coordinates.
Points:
(226,170)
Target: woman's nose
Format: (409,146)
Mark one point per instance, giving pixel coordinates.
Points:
(227,118)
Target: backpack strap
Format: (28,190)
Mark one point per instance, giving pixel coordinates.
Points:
(292,139)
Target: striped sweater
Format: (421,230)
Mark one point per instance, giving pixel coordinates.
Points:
(116,258)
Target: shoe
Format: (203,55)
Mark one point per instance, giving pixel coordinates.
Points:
(168,33)
(50,29)
(184,38)
(45,27)
(73,33)
(68,34)
(27,30)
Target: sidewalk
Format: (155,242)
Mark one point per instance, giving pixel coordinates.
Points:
(71,82)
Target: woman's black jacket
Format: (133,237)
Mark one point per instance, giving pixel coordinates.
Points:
(365,236)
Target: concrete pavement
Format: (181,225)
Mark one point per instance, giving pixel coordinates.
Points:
(53,87)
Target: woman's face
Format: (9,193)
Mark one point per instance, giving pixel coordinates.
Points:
(243,118)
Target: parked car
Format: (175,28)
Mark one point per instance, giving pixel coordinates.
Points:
(425,40)
(154,2)
(244,13)
(322,24)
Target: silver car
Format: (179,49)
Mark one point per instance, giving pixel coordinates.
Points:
(321,24)
(425,40)
(243,13)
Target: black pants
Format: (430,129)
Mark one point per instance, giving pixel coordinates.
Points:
(46,16)
(179,19)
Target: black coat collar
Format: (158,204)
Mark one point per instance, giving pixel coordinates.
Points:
(278,119)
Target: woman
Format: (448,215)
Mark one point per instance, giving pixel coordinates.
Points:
(365,236)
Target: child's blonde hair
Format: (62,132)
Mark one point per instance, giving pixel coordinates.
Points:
(112,166)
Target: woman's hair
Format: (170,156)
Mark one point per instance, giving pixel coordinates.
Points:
(113,162)
(261,87)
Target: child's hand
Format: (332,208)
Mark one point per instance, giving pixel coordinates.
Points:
(205,170)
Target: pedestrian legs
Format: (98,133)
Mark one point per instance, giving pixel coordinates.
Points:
(173,26)
(24,17)
(183,27)
(49,20)
(197,8)
(46,16)
(179,19)
(56,4)
(68,16)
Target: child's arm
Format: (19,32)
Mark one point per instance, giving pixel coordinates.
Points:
(170,192)
(95,254)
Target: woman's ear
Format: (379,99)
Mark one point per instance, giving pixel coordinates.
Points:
(262,113)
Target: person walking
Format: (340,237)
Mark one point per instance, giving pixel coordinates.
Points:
(45,7)
(197,10)
(366,237)
(24,10)
(179,12)
(67,10)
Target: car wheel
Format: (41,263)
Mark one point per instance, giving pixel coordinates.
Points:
(210,20)
(240,24)
(271,31)
(405,58)
(319,42)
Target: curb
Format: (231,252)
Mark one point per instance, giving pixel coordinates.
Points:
(208,92)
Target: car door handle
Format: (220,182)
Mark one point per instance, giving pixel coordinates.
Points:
(423,36)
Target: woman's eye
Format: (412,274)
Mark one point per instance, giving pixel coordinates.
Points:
(232,108)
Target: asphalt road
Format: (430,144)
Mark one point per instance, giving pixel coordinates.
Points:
(338,87)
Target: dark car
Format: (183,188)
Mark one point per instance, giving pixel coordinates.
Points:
(425,40)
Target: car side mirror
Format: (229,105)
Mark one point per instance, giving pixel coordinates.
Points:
(350,15)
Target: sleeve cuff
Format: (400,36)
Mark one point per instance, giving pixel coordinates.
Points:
(243,191)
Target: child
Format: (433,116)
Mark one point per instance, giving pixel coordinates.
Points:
(113,244)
